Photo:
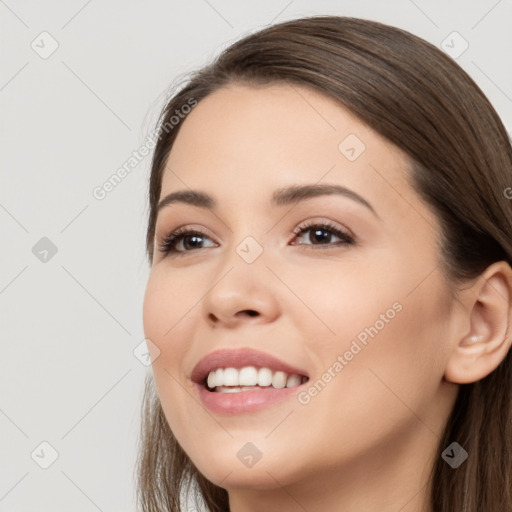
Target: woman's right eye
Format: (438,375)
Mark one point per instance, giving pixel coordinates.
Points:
(183,240)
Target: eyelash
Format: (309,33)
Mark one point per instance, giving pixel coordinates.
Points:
(169,242)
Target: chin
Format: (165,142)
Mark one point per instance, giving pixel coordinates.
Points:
(241,468)
(246,478)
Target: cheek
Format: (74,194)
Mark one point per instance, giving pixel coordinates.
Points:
(167,301)
(389,373)
(154,306)
(340,299)
(166,312)
(382,324)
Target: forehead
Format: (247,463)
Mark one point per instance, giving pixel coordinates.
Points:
(256,139)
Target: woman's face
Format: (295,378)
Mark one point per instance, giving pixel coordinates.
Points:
(342,289)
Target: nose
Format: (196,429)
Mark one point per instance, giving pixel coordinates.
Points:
(241,293)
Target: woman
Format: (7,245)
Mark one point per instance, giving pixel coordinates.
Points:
(329,306)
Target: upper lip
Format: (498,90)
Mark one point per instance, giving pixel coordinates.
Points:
(238,358)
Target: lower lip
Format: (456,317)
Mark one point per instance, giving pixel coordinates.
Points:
(244,401)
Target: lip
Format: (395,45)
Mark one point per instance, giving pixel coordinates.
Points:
(245,401)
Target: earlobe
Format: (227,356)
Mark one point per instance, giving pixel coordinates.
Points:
(488,311)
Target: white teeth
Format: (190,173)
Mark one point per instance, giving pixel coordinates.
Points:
(219,375)
(231,377)
(293,380)
(279,380)
(232,380)
(235,389)
(223,389)
(248,376)
(264,377)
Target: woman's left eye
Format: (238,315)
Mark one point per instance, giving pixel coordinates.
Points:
(321,234)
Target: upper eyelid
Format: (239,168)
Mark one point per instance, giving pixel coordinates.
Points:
(325,222)
(163,233)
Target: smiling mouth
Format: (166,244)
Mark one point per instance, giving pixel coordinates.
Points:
(248,378)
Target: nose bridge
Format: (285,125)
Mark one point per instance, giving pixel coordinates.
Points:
(245,249)
(242,283)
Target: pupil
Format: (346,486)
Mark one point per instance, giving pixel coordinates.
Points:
(193,241)
(321,235)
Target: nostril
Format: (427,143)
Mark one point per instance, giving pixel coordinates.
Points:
(249,312)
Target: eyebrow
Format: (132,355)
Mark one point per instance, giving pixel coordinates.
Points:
(281,197)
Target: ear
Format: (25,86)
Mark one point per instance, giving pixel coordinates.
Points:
(487,309)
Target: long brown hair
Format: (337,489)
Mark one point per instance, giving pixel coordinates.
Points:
(460,157)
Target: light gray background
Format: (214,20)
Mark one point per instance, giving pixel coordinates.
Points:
(70,324)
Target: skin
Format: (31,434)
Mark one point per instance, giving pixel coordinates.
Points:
(369,438)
